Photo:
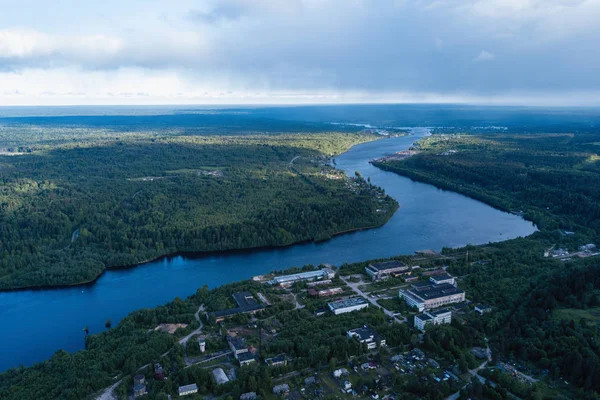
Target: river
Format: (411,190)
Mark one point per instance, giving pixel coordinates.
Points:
(36,323)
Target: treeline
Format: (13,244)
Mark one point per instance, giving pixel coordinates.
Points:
(69,213)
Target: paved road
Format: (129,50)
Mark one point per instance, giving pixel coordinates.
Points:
(185,339)
(108,393)
(354,286)
(475,372)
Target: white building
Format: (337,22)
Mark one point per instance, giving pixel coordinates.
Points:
(288,280)
(188,389)
(443,278)
(436,317)
(428,295)
(348,305)
(220,376)
(368,336)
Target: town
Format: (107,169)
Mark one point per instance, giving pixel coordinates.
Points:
(385,311)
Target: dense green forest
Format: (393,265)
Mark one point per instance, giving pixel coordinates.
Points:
(72,210)
(553,178)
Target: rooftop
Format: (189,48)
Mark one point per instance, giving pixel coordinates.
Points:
(188,388)
(383,266)
(423,317)
(274,360)
(353,301)
(301,275)
(435,291)
(365,333)
(245,356)
(441,277)
(244,299)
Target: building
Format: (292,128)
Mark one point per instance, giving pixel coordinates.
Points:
(368,336)
(279,361)
(311,380)
(383,270)
(220,376)
(139,390)
(139,379)
(340,372)
(281,389)
(319,283)
(246,358)
(248,396)
(443,278)
(428,295)
(434,317)
(482,308)
(289,280)
(246,304)
(202,343)
(159,372)
(237,346)
(325,292)
(188,389)
(348,305)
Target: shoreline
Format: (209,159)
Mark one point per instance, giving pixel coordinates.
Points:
(189,254)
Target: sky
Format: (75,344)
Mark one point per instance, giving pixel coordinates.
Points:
(524,52)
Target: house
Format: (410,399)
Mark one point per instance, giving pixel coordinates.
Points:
(340,372)
(281,389)
(279,361)
(346,386)
(443,278)
(188,389)
(348,305)
(367,335)
(428,295)
(248,396)
(202,344)
(220,376)
(159,372)
(368,365)
(482,308)
(139,379)
(384,270)
(434,317)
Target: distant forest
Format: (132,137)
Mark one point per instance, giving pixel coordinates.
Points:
(72,208)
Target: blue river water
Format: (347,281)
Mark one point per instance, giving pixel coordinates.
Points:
(36,323)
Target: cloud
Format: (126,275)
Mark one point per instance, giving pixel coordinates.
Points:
(484,56)
(325,49)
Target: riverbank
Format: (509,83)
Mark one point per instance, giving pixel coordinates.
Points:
(196,255)
(427,219)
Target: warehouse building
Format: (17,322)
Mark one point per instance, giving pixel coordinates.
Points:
(289,280)
(428,295)
(348,305)
(383,270)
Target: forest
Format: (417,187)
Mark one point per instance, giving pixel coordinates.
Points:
(72,210)
(552,179)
